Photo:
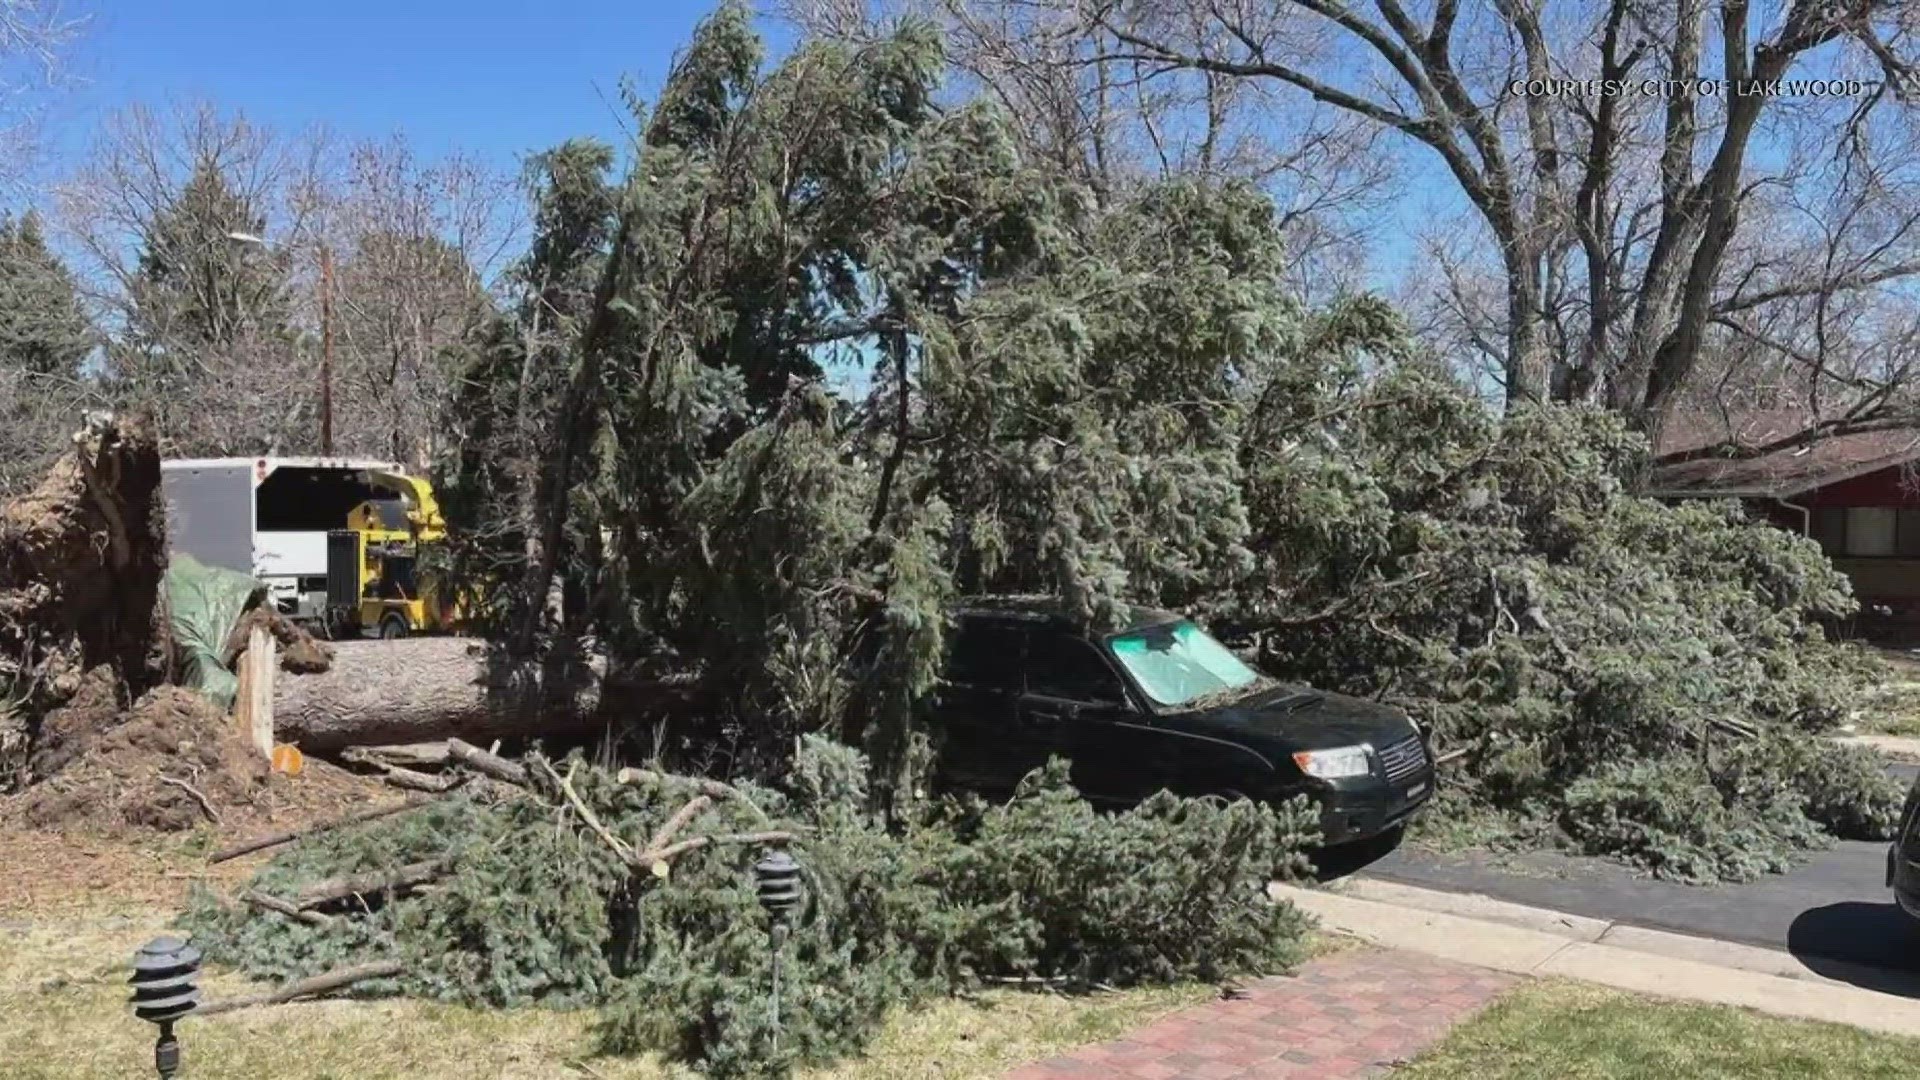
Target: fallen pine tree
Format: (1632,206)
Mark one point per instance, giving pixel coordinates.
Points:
(1614,675)
(631,892)
(422,689)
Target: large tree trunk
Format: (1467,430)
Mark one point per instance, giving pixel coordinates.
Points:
(420,689)
(1525,360)
(573,431)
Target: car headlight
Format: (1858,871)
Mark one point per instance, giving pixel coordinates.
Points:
(1334,764)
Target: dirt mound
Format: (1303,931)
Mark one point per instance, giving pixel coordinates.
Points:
(173,763)
(300,652)
(66,731)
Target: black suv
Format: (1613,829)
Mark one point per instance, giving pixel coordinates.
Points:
(1161,704)
(1903,855)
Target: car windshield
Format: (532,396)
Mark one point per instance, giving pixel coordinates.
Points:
(1178,663)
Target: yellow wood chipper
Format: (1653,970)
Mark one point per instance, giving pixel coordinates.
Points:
(375,578)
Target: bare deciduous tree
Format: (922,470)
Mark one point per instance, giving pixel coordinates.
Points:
(413,243)
(35,39)
(1625,200)
(1114,121)
(202,328)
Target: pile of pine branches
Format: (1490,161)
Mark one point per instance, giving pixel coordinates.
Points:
(563,884)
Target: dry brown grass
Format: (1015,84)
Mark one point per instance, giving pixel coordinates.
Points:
(63,1016)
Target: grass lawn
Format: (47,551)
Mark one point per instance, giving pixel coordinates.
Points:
(1566,1031)
(1892,705)
(64,1016)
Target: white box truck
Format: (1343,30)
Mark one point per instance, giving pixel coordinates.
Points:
(268,517)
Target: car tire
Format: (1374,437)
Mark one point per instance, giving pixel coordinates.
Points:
(393,628)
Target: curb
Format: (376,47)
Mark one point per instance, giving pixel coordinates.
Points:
(1512,938)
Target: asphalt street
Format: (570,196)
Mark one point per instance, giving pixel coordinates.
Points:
(1834,906)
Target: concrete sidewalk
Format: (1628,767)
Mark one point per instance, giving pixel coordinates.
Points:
(1523,941)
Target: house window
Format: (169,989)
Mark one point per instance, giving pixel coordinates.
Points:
(1907,539)
(1865,532)
(1829,526)
(1870,530)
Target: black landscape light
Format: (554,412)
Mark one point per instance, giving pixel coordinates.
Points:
(164,971)
(776,880)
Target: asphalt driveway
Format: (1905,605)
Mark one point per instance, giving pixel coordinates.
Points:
(1833,907)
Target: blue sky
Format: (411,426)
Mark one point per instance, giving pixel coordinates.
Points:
(493,77)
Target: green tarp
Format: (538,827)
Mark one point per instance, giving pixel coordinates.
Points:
(205,602)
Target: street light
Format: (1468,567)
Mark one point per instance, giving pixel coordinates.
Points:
(326,333)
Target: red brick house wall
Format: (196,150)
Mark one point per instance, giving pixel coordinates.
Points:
(1890,581)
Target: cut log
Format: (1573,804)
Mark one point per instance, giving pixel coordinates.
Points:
(706,786)
(423,689)
(255,702)
(486,762)
(433,755)
(418,781)
(369,814)
(274,903)
(679,821)
(370,883)
(776,837)
(336,979)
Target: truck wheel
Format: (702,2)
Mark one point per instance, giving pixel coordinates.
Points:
(392,628)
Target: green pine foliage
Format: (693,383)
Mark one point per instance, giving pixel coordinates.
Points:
(1174,889)
(44,329)
(1670,817)
(1651,680)
(197,287)
(537,908)
(1107,397)
(1842,789)
(45,339)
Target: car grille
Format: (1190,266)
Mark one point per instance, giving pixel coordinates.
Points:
(1403,759)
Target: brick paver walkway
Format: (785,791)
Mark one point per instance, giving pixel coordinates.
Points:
(1347,1015)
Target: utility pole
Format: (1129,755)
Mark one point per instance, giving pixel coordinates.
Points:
(326,332)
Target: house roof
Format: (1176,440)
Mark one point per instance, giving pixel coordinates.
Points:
(1782,473)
